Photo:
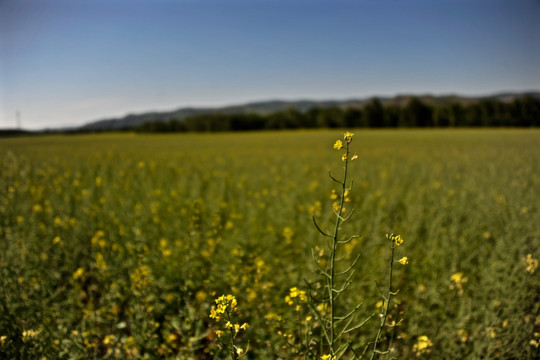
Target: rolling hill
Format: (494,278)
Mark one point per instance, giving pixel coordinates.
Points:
(265,107)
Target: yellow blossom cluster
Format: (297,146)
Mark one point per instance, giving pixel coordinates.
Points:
(328,357)
(535,342)
(141,277)
(28,334)
(78,273)
(423,345)
(224,304)
(531,263)
(457,280)
(236,327)
(338,145)
(404,260)
(397,239)
(295,297)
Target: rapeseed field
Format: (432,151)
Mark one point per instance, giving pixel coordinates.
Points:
(246,245)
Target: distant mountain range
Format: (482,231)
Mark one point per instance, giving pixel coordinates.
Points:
(265,107)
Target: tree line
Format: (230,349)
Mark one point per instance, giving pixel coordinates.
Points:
(521,112)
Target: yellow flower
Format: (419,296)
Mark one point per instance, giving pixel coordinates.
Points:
(404,260)
(348,136)
(397,239)
(344,157)
(171,338)
(338,145)
(27,334)
(200,296)
(354,157)
(288,300)
(78,273)
(294,293)
(463,335)
(458,278)
(100,262)
(166,252)
(225,301)
(244,326)
(108,339)
(328,357)
(288,234)
(239,351)
(219,333)
(216,313)
(422,345)
(531,263)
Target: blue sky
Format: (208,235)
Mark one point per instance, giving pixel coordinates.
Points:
(68,62)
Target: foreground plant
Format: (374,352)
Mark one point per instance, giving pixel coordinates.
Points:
(338,325)
(224,313)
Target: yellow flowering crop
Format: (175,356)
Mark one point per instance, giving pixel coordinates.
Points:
(338,145)
(404,260)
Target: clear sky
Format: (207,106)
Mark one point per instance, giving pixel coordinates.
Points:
(69,62)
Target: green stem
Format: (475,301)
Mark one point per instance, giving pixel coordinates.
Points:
(334,250)
(231,331)
(387,307)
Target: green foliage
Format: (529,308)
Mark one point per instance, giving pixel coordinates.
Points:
(521,112)
(117,245)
